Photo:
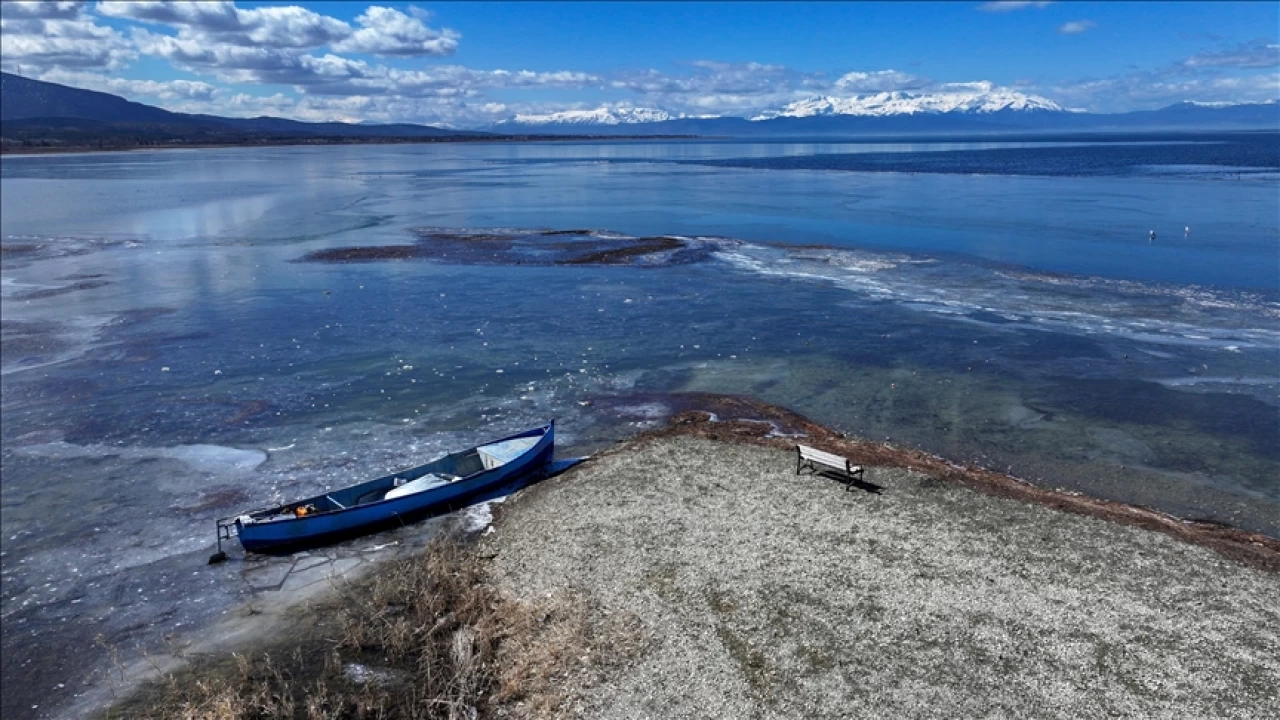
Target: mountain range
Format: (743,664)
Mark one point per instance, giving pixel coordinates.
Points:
(962,107)
(34,112)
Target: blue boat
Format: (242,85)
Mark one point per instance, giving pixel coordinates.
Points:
(449,483)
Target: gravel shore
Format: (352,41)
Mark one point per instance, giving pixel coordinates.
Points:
(763,594)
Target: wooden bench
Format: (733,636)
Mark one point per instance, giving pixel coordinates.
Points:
(813,457)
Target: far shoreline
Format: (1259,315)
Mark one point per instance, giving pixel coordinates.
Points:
(7,151)
(1092,136)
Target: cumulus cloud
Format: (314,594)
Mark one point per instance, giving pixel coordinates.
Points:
(43,35)
(386,31)
(1150,89)
(315,54)
(132,89)
(719,88)
(335,75)
(41,9)
(452,112)
(1010,5)
(1075,27)
(382,30)
(224,23)
(1255,54)
(879,81)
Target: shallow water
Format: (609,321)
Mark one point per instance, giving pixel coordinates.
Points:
(171,355)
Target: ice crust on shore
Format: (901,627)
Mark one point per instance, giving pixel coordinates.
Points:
(200,458)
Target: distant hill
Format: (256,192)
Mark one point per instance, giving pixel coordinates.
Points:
(332,129)
(1261,116)
(22,98)
(34,113)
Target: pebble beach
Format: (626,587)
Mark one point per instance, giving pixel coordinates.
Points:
(766,594)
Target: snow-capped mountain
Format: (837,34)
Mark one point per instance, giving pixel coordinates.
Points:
(599,116)
(977,97)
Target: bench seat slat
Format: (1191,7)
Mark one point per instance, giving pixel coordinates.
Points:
(810,456)
(821,456)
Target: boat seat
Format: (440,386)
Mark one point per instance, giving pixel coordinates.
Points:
(426,482)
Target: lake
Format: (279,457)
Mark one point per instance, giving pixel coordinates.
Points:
(191,332)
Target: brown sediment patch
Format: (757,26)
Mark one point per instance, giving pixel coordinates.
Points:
(22,340)
(224,498)
(15,345)
(515,247)
(474,237)
(54,292)
(750,421)
(19,248)
(129,318)
(552,233)
(624,255)
(249,410)
(365,254)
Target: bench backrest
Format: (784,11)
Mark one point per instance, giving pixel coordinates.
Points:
(826,458)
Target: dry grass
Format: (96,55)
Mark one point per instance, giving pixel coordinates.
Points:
(425,637)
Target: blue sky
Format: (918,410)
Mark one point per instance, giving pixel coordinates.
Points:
(477,63)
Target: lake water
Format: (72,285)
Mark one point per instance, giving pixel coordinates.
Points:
(179,343)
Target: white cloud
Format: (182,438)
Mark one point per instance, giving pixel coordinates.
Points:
(719,88)
(45,35)
(1010,5)
(224,23)
(972,86)
(1256,54)
(1155,89)
(879,81)
(385,31)
(284,45)
(1225,76)
(382,31)
(132,89)
(336,75)
(1075,27)
(41,9)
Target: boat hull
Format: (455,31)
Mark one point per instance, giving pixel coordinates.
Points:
(287,536)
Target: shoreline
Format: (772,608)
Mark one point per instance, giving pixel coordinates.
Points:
(728,418)
(729,422)
(312,142)
(763,593)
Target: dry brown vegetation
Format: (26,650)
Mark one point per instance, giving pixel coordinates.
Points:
(423,637)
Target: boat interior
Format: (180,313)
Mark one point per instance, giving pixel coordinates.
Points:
(445,470)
